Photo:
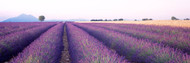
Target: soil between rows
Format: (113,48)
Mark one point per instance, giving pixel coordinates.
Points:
(65,53)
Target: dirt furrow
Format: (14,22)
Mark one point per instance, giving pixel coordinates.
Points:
(65,53)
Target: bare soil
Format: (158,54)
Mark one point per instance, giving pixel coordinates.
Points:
(65,53)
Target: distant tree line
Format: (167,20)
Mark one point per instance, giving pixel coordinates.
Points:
(146,19)
(174,18)
(121,19)
(186,19)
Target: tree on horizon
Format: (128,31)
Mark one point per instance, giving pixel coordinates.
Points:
(174,18)
(41,18)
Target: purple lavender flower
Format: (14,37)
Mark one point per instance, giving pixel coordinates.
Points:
(168,36)
(12,44)
(45,49)
(137,50)
(86,49)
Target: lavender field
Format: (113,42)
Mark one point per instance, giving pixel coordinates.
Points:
(44,42)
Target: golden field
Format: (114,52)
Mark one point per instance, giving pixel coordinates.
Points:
(175,23)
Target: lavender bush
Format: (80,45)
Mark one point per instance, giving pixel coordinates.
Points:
(180,40)
(86,49)
(137,50)
(46,49)
(13,43)
(7,28)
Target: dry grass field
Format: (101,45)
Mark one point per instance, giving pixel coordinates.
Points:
(176,23)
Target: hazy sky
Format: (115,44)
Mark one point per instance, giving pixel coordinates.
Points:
(89,9)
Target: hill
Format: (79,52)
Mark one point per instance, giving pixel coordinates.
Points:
(22,18)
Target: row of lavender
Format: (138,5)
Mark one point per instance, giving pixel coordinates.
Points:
(137,50)
(12,44)
(45,49)
(178,38)
(7,28)
(155,29)
(87,49)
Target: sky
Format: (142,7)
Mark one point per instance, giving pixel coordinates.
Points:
(96,9)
